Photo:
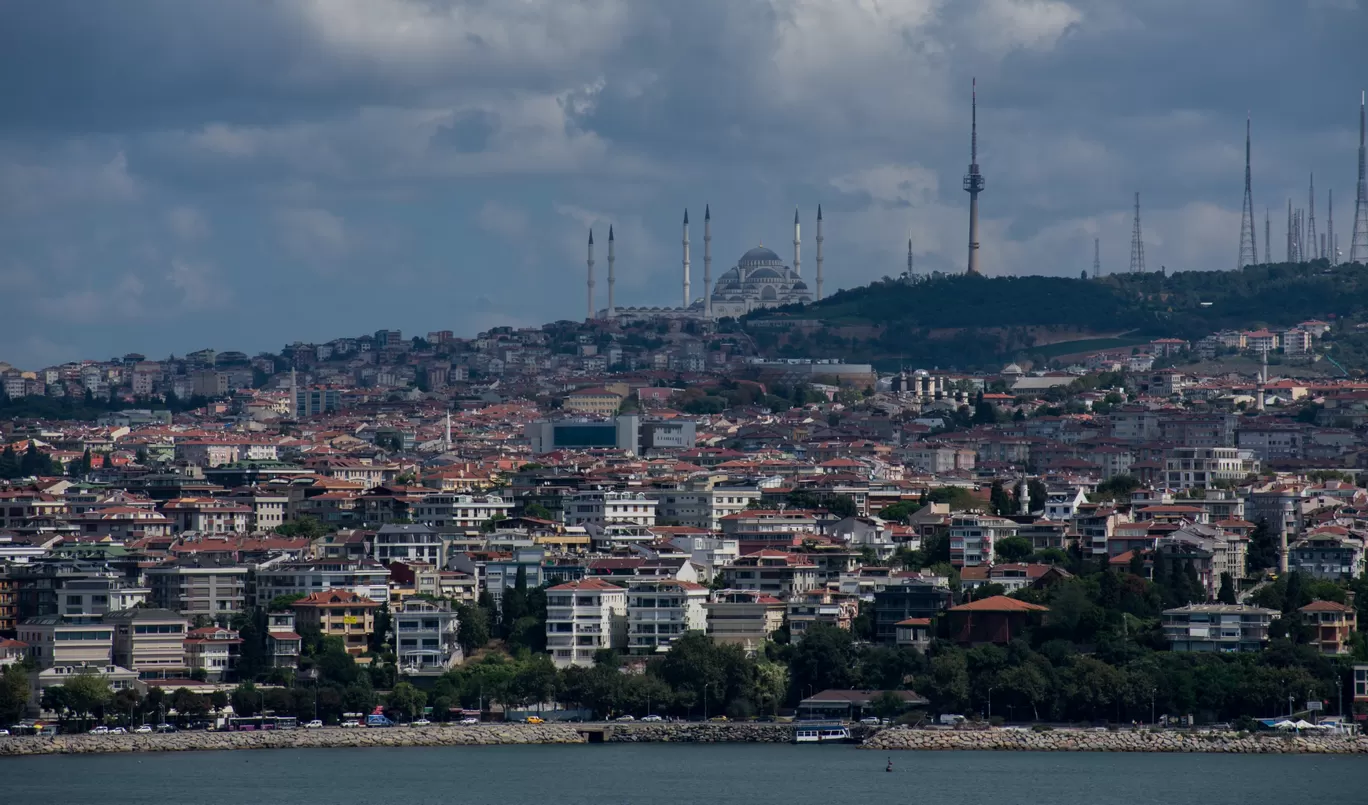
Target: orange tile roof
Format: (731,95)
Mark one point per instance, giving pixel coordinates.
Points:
(999,603)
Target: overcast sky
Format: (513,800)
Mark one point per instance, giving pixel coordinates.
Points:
(176,174)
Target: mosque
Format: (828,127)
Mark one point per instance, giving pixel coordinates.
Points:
(758,280)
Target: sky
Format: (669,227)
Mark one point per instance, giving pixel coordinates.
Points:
(181,174)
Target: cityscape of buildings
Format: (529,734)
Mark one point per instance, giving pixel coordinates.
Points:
(655,479)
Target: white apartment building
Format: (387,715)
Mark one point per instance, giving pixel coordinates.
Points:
(604,508)
(711,553)
(745,619)
(365,577)
(1203,467)
(583,617)
(1062,504)
(54,642)
(461,512)
(660,611)
(425,638)
(408,542)
(703,508)
(973,538)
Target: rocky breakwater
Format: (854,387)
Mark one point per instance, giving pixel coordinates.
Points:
(1065,740)
(710,732)
(481,735)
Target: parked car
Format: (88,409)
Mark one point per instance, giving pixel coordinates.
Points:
(118,731)
(718,718)
(422,722)
(625,718)
(870,720)
(470,720)
(652,718)
(314,725)
(4,733)
(534,720)
(165,728)
(101,730)
(349,723)
(143,729)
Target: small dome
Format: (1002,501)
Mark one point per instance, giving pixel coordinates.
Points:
(759,256)
(764,274)
(1012,369)
(800,286)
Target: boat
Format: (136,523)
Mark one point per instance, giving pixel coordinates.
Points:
(820,733)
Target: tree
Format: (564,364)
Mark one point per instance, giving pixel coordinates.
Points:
(1013,549)
(246,699)
(284,603)
(1263,548)
(406,701)
(1000,501)
(87,692)
(473,627)
(1226,595)
(9,463)
(538,511)
(303,526)
(14,693)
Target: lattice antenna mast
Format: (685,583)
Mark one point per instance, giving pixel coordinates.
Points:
(1330,227)
(1249,250)
(1137,263)
(1097,258)
(1309,236)
(1358,244)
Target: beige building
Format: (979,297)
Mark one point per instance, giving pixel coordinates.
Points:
(53,641)
(150,642)
(582,618)
(600,401)
(744,618)
(339,613)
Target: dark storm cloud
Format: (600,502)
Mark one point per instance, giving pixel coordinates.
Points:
(257,172)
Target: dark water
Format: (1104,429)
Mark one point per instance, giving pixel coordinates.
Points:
(679,773)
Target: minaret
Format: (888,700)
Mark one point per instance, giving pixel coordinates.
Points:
(1023,497)
(797,246)
(612,310)
(819,252)
(1290,252)
(707,261)
(447,442)
(1358,244)
(687,297)
(590,315)
(294,394)
(973,184)
(1263,380)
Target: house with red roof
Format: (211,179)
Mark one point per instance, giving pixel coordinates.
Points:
(997,619)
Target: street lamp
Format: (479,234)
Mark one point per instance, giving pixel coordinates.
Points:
(990,704)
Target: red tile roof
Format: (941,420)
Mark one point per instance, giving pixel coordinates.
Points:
(999,603)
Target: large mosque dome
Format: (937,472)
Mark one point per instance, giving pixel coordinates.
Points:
(760,256)
(758,280)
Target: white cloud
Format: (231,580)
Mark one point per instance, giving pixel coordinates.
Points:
(199,288)
(187,223)
(312,234)
(504,220)
(119,300)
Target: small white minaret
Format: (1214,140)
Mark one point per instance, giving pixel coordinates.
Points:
(294,394)
(590,315)
(612,311)
(1023,496)
(797,246)
(447,441)
(687,296)
(819,252)
(707,261)
(1263,381)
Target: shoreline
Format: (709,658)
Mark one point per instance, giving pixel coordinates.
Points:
(889,740)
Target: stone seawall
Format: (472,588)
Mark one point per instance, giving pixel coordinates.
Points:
(1065,740)
(701,733)
(481,735)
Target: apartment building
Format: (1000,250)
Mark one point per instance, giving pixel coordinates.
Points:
(1207,467)
(207,516)
(744,618)
(212,652)
(205,584)
(660,611)
(339,613)
(583,617)
(283,644)
(912,597)
(461,512)
(150,642)
(1217,627)
(407,542)
(604,508)
(1334,625)
(820,607)
(53,641)
(365,577)
(703,507)
(973,538)
(425,635)
(776,573)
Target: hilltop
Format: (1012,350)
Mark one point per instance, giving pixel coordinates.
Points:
(978,322)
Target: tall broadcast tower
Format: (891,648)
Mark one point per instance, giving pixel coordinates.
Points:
(1249,250)
(1097,257)
(973,184)
(1137,263)
(1358,245)
(1309,236)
